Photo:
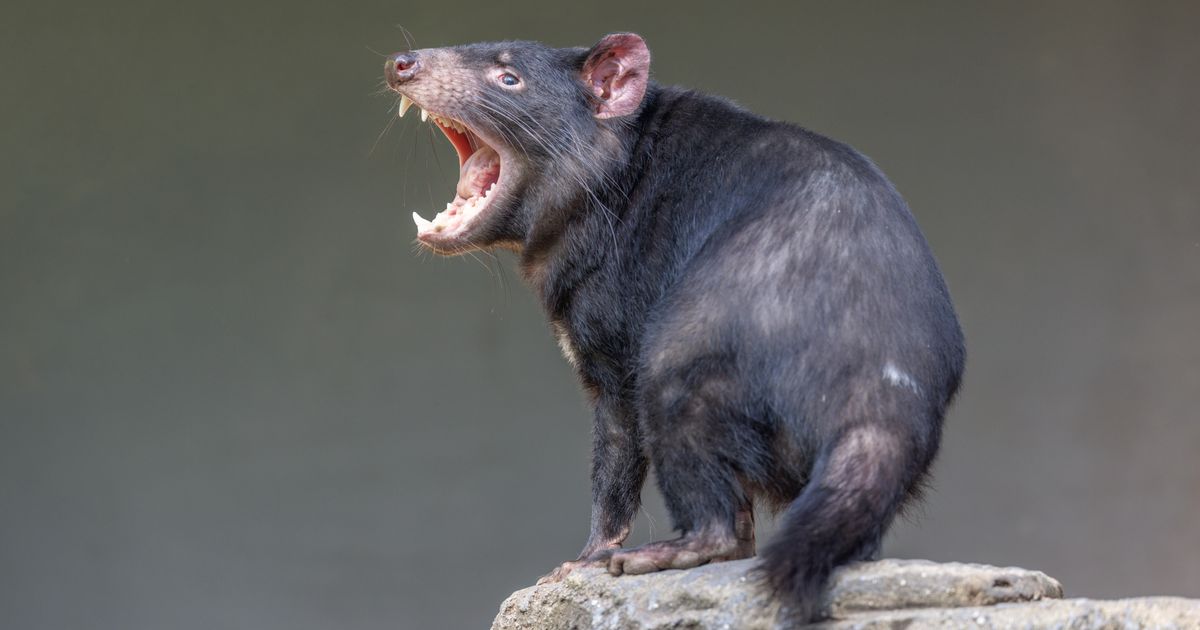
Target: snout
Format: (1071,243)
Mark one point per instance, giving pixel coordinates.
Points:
(400,68)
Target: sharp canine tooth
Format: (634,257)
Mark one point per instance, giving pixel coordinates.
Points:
(424,115)
(422,224)
(405,103)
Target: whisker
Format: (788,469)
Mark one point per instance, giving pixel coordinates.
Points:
(386,128)
(408,39)
(376,52)
(481,263)
(407,161)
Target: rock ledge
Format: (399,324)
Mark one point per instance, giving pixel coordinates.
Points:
(897,594)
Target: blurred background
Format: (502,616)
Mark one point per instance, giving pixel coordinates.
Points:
(232,396)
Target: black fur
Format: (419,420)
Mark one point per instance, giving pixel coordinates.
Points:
(753,310)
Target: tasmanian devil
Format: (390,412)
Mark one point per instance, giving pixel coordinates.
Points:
(750,306)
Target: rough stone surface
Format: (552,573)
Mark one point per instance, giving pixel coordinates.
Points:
(899,594)
(1060,614)
(891,584)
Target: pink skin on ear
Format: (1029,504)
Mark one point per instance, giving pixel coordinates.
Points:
(617,69)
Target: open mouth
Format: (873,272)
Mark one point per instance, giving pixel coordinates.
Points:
(478,179)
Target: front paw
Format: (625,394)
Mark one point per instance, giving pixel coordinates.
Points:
(597,560)
(561,572)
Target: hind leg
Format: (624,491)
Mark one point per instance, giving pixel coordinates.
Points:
(694,442)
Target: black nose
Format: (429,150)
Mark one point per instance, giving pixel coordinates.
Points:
(401,67)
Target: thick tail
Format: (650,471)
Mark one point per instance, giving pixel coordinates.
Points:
(858,484)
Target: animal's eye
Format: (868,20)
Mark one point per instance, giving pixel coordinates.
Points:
(509,79)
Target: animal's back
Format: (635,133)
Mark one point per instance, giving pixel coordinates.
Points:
(811,261)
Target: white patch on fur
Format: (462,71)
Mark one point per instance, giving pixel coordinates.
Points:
(899,378)
(564,342)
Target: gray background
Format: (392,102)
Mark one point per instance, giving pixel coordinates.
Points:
(232,396)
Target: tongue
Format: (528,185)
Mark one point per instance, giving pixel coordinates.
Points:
(480,170)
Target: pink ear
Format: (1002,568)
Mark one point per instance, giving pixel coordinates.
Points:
(616,70)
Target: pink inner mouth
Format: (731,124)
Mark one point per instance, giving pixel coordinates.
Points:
(478,178)
(477,175)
